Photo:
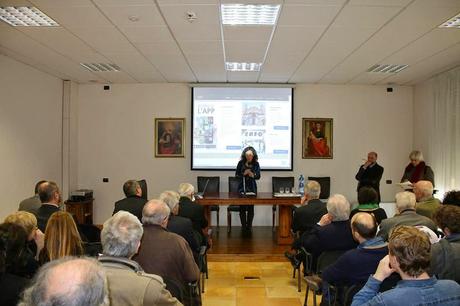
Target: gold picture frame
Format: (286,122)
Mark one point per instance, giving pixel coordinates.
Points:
(169,137)
(317,138)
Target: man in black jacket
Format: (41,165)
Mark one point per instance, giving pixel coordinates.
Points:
(189,209)
(370,173)
(50,196)
(177,224)
(311,211)
(133,203)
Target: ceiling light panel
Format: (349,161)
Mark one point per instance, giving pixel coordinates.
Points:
(235,66)
(22,16)
(387,68)
(453,22)
(249,14)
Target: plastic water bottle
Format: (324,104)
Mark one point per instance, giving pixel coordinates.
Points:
(301,185)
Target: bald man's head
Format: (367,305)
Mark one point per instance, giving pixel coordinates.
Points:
(155,212)
(423,190)
(69,281)
(364,224)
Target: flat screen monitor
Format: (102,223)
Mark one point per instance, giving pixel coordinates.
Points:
(225,120)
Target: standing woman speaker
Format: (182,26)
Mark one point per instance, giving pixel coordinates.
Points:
(248,170)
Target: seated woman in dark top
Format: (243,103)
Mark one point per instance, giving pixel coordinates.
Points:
(21,261)
(13,261)
(368,199)
(28,221)
(61,238)
(452,198)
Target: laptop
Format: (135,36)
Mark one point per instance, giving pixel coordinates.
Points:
(200,194)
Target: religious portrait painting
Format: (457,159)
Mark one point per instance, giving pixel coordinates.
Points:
(169,137)
(317,137)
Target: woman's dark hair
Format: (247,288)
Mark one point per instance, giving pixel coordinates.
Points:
(452,197)
(367,195)
(254,152)
(13,249)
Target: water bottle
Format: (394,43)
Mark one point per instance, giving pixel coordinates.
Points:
(301,185)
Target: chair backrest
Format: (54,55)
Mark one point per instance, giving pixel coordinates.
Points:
(176,289)
(143,184)
(233,183)
(325,183)
(282,181)
(213,185)
(326,259)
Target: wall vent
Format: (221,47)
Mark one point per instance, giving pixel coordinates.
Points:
(385,68)
(101,67)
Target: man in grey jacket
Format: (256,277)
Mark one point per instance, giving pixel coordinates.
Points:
(33,203)
(406,215)
(128,283)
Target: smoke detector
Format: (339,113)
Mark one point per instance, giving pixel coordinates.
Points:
(191,16)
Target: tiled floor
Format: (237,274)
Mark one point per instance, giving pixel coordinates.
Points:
(272,285)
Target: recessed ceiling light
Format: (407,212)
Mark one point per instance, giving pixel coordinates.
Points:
(249,14)
(22,16)
(100,67)
(453,22)
(385,68)
(235,66)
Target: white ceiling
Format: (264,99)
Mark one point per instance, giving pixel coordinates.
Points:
(314,41)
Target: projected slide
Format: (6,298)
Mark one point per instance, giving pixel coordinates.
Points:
(226,120)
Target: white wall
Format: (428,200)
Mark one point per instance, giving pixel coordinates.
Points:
(423,117)
(30,131)
(116,130)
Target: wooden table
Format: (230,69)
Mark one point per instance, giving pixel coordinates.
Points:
(263,198)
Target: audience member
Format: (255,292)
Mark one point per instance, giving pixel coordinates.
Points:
(28,221)
(426,203)
(50,197)
(134,202)
(369,174)
(452,197)
(10,250)
(406,215)
(333,231)
(445,255)
(311,209)
(61,238)
(368,202)
(128,283)
(194,212)
(33,203)
(409,256)
(20,261)
(68,281)
(180,225)
(161,252)
(417,170)
(356,265)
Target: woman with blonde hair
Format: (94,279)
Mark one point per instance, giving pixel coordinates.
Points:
(61,238)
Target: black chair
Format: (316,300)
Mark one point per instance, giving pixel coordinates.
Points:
(143,184)
(277,183)
(233,183)
(314,282)
(176,289)
(92,249)
(203,265)
(307,266)
(213,186)
(325,183)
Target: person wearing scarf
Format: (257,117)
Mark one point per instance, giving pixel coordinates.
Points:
(417,169)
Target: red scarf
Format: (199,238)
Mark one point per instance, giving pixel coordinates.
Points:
(417,173)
